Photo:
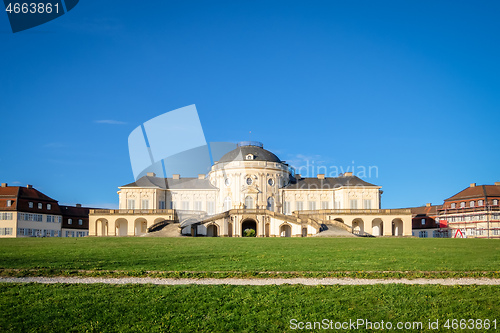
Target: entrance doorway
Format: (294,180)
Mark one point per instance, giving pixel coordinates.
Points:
(246,228)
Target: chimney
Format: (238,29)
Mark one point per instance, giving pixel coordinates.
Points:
(428,204)
(473,185)
(201,176)
(78,205)
(347,174)
(496,183)
(297,176)
(176,176)
(321,176)
(29,186)
(151,174)
(4,184)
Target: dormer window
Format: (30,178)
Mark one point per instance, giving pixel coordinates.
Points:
(40,205)
(30,204)
(495,202)
(453,205)
(462,204)
(49,206)
(9,203)
(480,203)
(249,157)
(472,203)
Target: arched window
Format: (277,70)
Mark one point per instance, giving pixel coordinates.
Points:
(270,204)
(248,202)
(472,203)
(227,204)
(480,203)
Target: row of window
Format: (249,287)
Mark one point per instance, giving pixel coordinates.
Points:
(5,216)
(40,205)
(73,233)
(467,218)
(249,204)
(5,231)
(249,181)
(70,221)
(473,203)
(39,218)
(38,232)
(435,234)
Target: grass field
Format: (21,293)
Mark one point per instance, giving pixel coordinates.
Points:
(251,255)
(149,308)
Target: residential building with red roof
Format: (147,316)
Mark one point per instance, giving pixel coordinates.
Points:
(27,212)
(473,212)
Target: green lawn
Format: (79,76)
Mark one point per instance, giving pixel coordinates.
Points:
(149,308)
(252,255)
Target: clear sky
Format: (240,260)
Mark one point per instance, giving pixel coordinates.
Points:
(409,87)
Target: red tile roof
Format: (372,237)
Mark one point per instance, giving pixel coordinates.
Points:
(480,191)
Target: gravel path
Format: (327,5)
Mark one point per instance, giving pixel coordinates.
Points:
(252,282)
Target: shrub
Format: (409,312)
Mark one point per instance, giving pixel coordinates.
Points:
(249,233)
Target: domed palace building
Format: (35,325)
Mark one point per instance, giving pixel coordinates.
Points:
(248,192)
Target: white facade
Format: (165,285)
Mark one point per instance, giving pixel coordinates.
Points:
(251,188)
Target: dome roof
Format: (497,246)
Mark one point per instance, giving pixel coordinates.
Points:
(254,148)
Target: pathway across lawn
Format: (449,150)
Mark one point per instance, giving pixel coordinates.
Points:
(250,282)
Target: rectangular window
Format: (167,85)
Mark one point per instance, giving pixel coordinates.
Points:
(9,203)
(312,205)
(197,205)
(210,207)
(185,205)
(353,204)
(162,205)
(5,231)
(5,216)
(131,204)
(145,204)
(495,202)
(367,204)
(299,205)
(325,205)
(80,222)
(288,208)
(338,205)
(50,218)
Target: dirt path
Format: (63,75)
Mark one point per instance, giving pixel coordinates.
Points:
(251,282)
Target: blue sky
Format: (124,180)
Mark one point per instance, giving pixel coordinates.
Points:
(409,87)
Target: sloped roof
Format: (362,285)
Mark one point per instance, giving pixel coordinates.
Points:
(327,183)
(479,191)
(426,210)
(240,153)
(170,183)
